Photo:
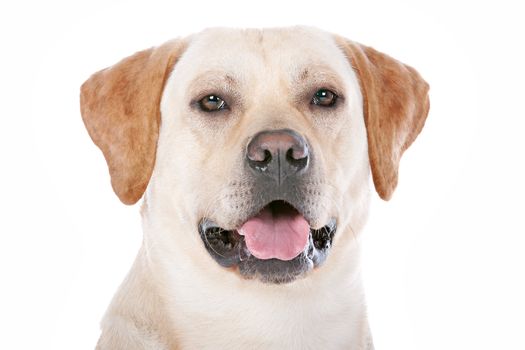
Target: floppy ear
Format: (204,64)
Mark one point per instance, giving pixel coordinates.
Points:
(395,106)
(120,106)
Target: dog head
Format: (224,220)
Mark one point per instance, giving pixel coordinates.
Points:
(260,142)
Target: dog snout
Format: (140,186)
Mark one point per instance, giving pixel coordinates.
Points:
(278,154)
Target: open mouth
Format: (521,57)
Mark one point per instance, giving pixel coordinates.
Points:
(276,245)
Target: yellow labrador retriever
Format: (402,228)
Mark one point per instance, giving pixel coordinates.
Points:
(252,150)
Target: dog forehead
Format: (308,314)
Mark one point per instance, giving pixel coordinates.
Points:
(249,52)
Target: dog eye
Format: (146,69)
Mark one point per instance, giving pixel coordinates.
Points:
(212,103)
(324,98)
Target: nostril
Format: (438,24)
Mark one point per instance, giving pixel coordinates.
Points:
(267,156)
(261,156)
(297,160)
(290,155)
(261,161)
(298,150)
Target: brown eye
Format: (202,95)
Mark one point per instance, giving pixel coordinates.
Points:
(212,103)
(324,98)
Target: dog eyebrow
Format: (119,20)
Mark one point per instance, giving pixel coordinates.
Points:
(214,78)
(317,72)
(304,74)
(221,83)
(231,80)
(318,76)
(213,82)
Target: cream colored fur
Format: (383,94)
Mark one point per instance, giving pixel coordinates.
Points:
(176,296)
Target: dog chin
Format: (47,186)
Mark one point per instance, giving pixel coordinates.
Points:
(276,245)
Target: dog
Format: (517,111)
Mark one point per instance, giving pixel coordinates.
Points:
(252,150)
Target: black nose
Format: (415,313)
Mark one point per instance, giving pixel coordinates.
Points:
(277,154)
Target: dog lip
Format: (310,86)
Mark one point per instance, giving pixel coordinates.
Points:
(225,246)
(206,224)
(229,249)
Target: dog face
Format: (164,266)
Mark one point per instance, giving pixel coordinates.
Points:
(258,143)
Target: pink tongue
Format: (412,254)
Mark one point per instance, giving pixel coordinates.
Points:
(281,233)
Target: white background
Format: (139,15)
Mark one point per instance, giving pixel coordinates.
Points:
(444,259)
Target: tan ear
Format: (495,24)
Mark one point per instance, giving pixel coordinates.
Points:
(120,106)
(395,106)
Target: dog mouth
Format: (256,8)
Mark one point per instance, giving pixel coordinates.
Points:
(276,245)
